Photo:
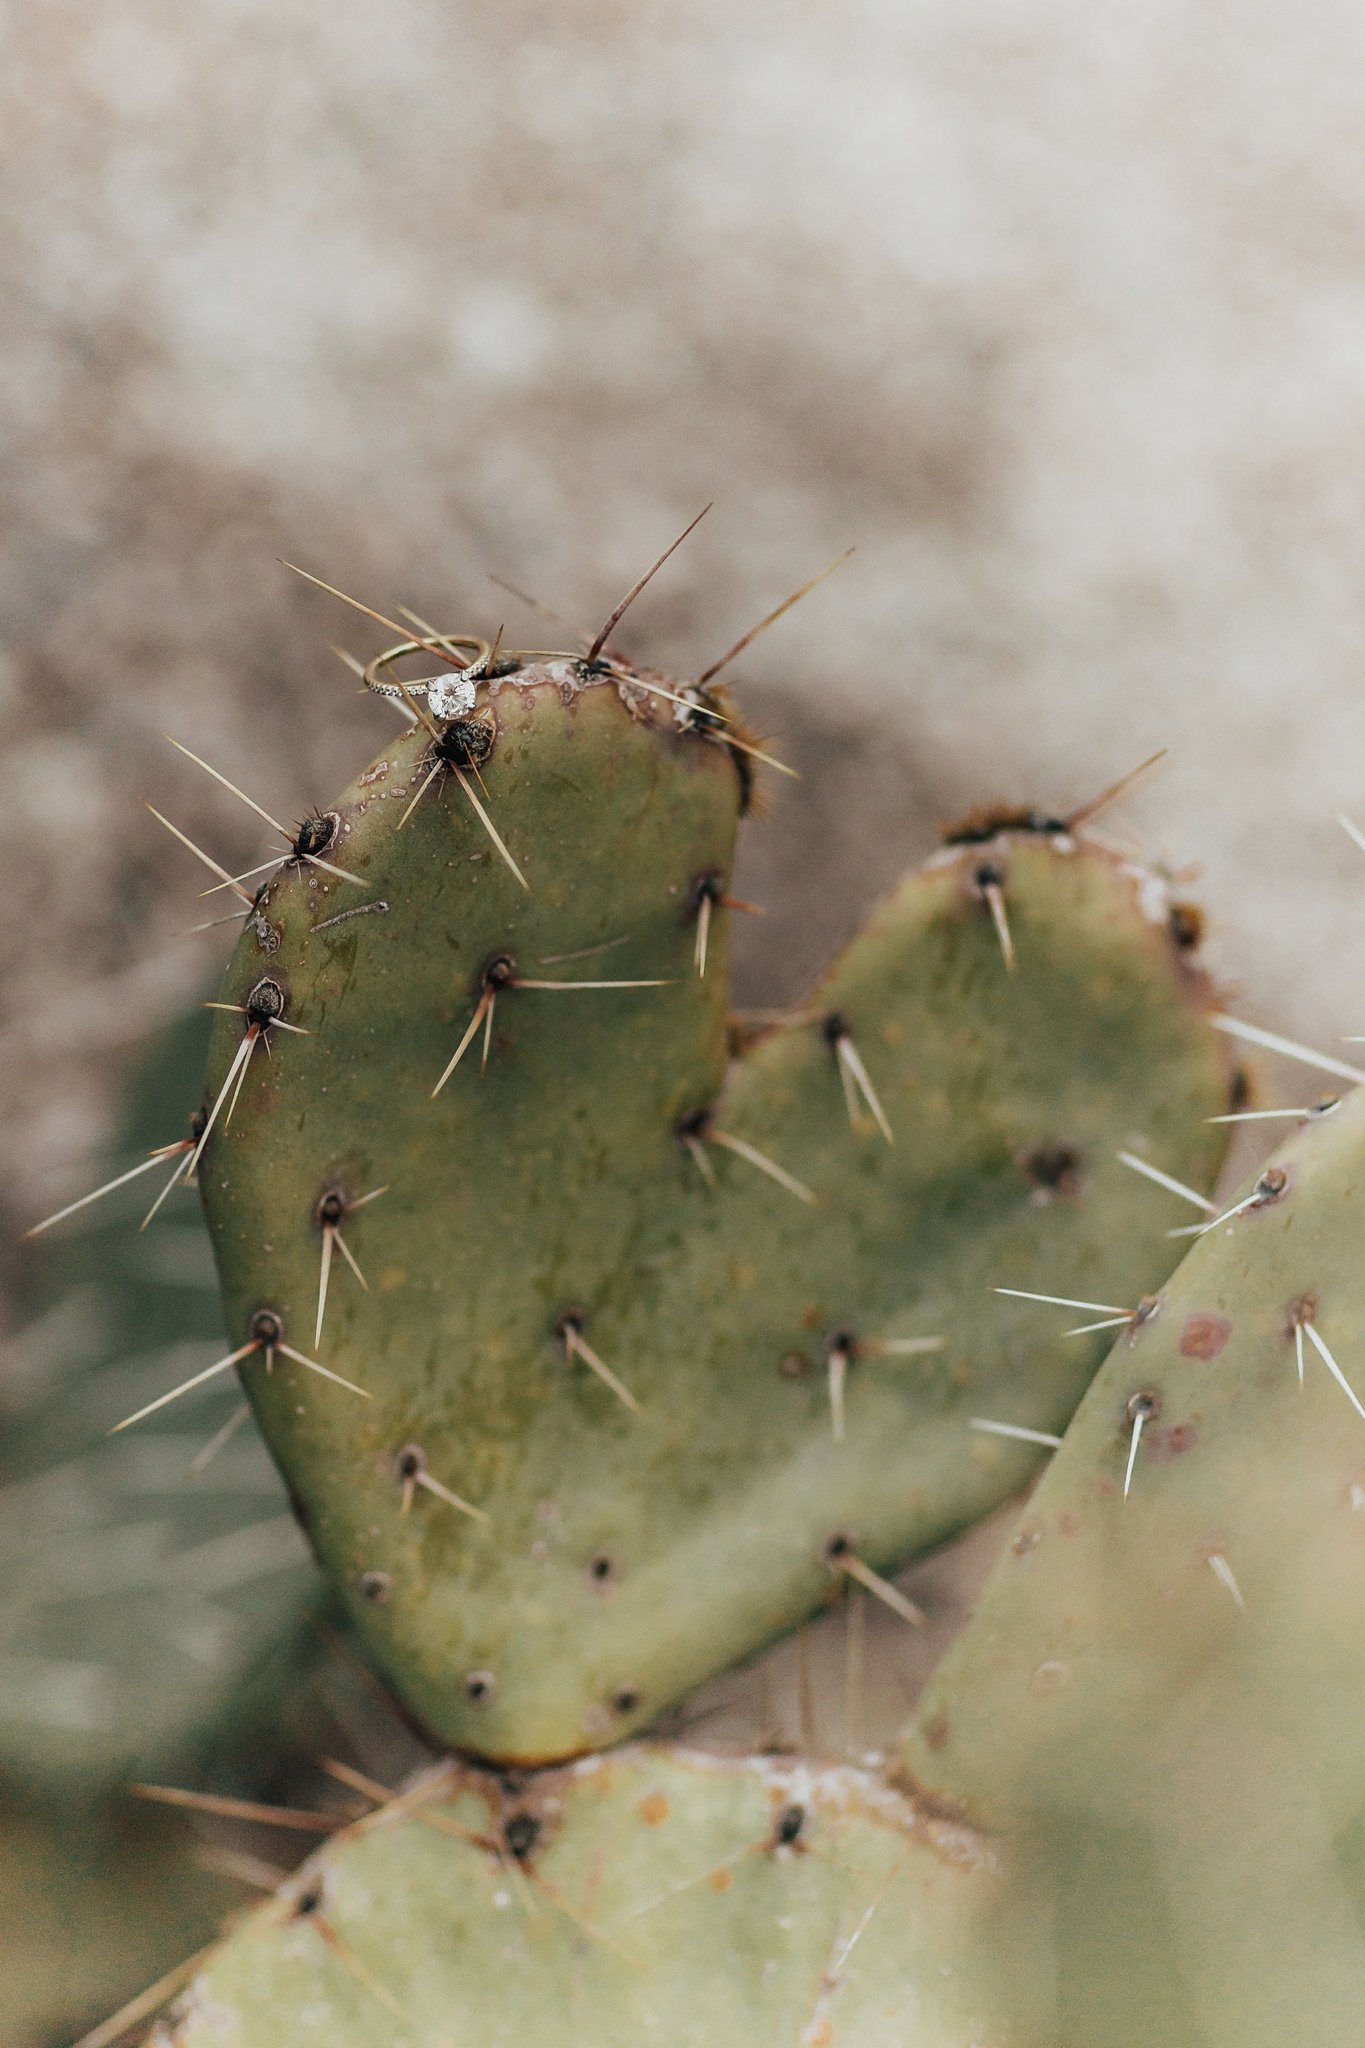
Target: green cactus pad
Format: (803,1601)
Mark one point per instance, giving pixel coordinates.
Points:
(590,1316)
(1153,1711)
(657,1896)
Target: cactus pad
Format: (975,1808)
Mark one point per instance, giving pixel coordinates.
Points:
(654,1895)
(685,1334)
(1153,1708)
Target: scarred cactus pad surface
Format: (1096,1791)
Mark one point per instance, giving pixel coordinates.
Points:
(652,1896)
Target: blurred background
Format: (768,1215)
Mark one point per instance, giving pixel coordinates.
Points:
(1055,314)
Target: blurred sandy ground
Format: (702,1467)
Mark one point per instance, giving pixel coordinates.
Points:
(1057,312)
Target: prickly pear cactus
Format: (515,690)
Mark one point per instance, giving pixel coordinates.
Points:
(1153,1710)
(641,1351)
(1129,1809)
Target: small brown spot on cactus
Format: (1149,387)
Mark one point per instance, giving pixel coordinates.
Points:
(309,1900)
(1302,1309)
(626,1700)
(1067,1523)
(601,1569)
(721,1879)
(1050,1676)
(1204,1335)
(654,1809)
(1054,1169)
(1170,1443)
(266,1328)
(1239,1089)
(265,1003)
(376,1587)
(935,1731)
(1185,921)
(794,1365)
(1026,1539)
(521,1832)
(811,1317)
(478,1686)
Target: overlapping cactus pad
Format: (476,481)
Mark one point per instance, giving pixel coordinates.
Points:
(655,1895)
(690,1335)
(1129,1809)
(1155,1707)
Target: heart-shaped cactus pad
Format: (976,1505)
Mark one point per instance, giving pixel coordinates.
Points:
(661,1329)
